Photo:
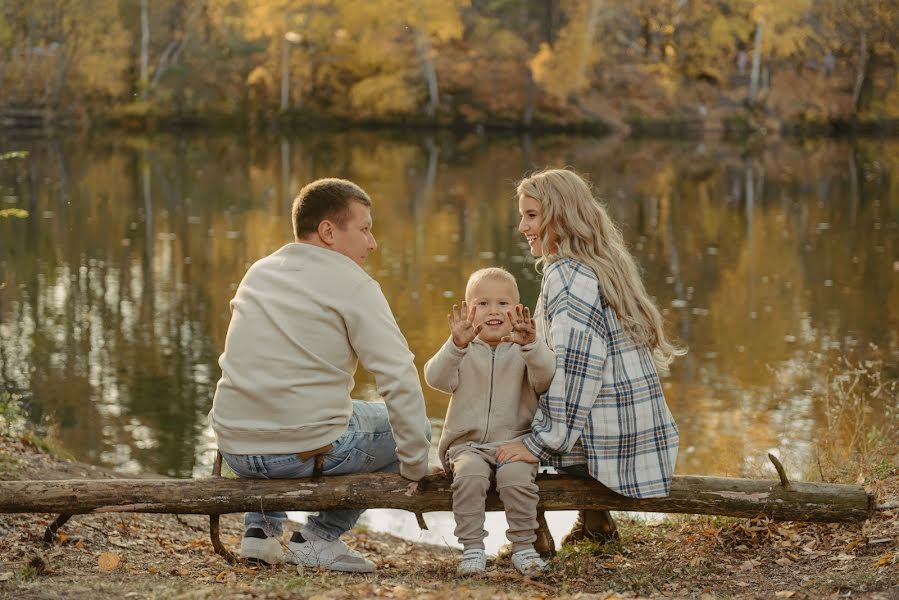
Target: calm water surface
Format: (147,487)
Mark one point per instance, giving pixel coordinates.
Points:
(114,292)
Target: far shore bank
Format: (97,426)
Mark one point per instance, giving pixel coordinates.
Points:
(732,126)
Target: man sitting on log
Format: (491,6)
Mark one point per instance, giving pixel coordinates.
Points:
(301,320)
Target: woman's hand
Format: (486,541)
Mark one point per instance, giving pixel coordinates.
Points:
(462,325)
(524,330)
(515,452)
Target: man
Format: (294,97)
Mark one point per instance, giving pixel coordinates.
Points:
(302,318)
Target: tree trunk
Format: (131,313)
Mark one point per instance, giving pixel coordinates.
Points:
(62,72)
(592,21)
(700,495)
(426,57)
(861,72)
(144,47)
(756,62)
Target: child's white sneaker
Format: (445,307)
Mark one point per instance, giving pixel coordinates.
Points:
(335,555)
(474,562)
(528,562)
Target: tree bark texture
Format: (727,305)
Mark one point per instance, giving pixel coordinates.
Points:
(756,62)
(795,501)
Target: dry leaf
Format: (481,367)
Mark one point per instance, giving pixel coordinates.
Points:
(108,561)
(784,562)
(842,556)
(785,594)
(6,576)
(884,560)
(749,565)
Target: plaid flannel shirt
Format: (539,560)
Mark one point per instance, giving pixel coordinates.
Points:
(605,405)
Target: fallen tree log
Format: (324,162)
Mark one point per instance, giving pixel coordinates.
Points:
(778,500)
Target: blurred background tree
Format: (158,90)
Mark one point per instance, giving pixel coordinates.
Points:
(450,60)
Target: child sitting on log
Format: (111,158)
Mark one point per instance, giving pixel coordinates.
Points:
(495,367)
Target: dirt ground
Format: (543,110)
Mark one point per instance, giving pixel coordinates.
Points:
(167,556)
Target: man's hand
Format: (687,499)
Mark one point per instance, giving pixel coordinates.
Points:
(515,452)
(524,330)
(462,325)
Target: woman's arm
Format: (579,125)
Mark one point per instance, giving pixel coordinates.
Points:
(578,336)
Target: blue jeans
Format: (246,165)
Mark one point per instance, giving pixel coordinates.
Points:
(367,446)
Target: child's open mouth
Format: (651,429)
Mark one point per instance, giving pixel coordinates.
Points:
(493,322)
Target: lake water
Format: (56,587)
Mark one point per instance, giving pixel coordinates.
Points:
(770,263)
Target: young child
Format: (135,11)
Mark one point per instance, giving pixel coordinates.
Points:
(495,367)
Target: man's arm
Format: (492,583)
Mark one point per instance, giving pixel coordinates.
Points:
(383,351)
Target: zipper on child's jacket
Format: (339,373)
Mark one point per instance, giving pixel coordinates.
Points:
(490,396)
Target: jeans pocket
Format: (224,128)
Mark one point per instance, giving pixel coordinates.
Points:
(356,461)
(241,464)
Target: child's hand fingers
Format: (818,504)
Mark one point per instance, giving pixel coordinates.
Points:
(455,312)
(471,311)
(527,315)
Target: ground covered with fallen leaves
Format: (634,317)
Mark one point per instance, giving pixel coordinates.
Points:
(167,556)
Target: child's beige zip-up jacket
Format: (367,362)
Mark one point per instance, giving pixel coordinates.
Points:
(494,390)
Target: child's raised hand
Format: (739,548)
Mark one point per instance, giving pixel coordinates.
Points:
(524,330)
(462,325)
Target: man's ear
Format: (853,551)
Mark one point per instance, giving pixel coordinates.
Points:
(326,232)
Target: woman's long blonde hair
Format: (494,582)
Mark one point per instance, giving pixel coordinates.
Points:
(576,225)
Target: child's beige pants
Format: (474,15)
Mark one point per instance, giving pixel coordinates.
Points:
(472,471)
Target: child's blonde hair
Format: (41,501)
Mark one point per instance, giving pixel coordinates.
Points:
(494,273)
(576,225)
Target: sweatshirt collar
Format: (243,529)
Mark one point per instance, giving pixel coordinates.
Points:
(304,250)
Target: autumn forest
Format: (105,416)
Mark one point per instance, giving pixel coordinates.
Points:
(730,65)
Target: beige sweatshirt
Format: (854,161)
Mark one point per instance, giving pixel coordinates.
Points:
(494,390)
(302,318)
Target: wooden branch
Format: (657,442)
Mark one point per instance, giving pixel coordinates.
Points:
(700,495)
(781,472)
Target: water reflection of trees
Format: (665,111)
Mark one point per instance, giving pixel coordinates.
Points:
(115,302)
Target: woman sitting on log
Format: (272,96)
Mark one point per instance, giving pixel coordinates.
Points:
(604,415)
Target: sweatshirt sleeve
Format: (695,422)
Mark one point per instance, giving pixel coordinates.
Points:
(383,351)
(541,364)
(442,370)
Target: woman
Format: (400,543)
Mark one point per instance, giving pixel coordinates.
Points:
(604,415)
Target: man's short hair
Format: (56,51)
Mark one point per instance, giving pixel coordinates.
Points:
(325,200)
(491,273)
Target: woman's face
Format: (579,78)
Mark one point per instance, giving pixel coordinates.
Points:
(531,219)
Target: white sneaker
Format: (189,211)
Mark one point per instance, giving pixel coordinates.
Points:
(260,548)
(335,555)
(528,562)
(474,562)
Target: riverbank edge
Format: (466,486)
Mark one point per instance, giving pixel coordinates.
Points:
(735,126)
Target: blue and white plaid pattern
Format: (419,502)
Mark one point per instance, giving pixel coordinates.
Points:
(605,406)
